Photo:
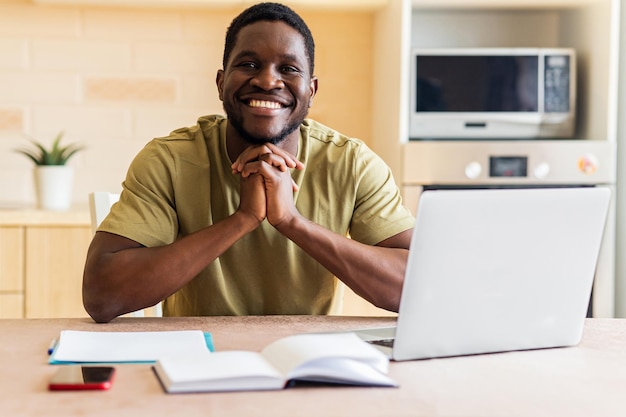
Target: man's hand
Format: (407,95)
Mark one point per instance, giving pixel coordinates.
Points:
(270,154)
(279,189)
(272,165)
(252,200)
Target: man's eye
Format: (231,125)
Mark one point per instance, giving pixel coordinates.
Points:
(289,68)
(247,65)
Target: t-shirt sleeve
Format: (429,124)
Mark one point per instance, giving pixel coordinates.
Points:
(146,210)
(379,212)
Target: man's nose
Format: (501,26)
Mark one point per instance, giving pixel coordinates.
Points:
(268,78)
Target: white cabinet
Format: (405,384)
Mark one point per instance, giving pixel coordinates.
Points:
(591,27)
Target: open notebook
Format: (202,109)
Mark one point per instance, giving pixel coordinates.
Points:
(497,270)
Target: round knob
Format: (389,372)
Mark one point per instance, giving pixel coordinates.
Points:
(473,170)
(542,170)
(588,164)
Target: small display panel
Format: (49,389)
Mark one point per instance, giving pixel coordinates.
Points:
(477,83)
(508,166)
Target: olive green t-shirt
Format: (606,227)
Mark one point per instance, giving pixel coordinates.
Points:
(182,183)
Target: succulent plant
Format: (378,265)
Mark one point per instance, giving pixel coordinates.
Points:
(56,155)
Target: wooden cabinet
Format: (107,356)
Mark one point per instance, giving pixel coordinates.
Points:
(55,257)
(11,272)
(42,255)
(354,305)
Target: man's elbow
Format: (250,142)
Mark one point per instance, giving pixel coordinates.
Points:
(97,310)
(97,306)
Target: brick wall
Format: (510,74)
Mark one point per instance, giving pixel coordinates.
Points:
(114,78)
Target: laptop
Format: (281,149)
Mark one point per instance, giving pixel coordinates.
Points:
(497,270)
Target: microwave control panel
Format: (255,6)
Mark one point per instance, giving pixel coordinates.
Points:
(557,83)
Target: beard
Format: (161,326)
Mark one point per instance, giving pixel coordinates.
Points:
(236,121)
(253,139)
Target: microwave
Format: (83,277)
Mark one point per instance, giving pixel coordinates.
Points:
(492,93)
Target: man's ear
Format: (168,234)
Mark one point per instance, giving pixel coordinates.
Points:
(219,81)
(313,89)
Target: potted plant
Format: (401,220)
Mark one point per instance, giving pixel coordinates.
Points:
(53,178)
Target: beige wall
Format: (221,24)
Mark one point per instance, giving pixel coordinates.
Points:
(113,78)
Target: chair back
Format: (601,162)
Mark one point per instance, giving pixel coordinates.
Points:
(100,203)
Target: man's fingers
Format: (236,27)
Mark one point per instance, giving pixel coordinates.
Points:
(269,153)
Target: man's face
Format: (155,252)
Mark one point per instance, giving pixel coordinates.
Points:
(266,87)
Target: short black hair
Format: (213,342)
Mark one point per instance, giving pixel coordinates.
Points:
(270,12)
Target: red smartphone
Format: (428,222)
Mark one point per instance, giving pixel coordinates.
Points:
(82,377)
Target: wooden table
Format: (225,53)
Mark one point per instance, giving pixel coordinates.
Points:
(586,380)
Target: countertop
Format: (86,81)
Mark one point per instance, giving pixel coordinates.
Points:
(76,216)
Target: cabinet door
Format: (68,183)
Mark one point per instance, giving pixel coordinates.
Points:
(354,305)
(11,272)
(55,259)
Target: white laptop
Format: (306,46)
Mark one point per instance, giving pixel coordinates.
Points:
(497,270)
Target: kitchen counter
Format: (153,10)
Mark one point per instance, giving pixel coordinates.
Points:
(78,216)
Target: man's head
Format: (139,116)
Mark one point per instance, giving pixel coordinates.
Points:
(271,12)
(267,84)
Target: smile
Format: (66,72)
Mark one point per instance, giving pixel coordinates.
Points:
(265,104)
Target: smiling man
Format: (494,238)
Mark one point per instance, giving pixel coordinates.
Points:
(250,214)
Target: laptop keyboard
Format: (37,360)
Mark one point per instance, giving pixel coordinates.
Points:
(382,342)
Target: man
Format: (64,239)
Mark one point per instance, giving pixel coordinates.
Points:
(250,214)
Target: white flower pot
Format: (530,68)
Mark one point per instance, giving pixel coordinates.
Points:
(53,184)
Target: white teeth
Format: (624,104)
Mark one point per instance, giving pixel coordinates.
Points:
(265,104)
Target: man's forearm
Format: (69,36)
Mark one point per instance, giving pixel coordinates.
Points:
(376,273)
(118,279)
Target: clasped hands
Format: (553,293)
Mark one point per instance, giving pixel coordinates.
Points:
(266,189)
